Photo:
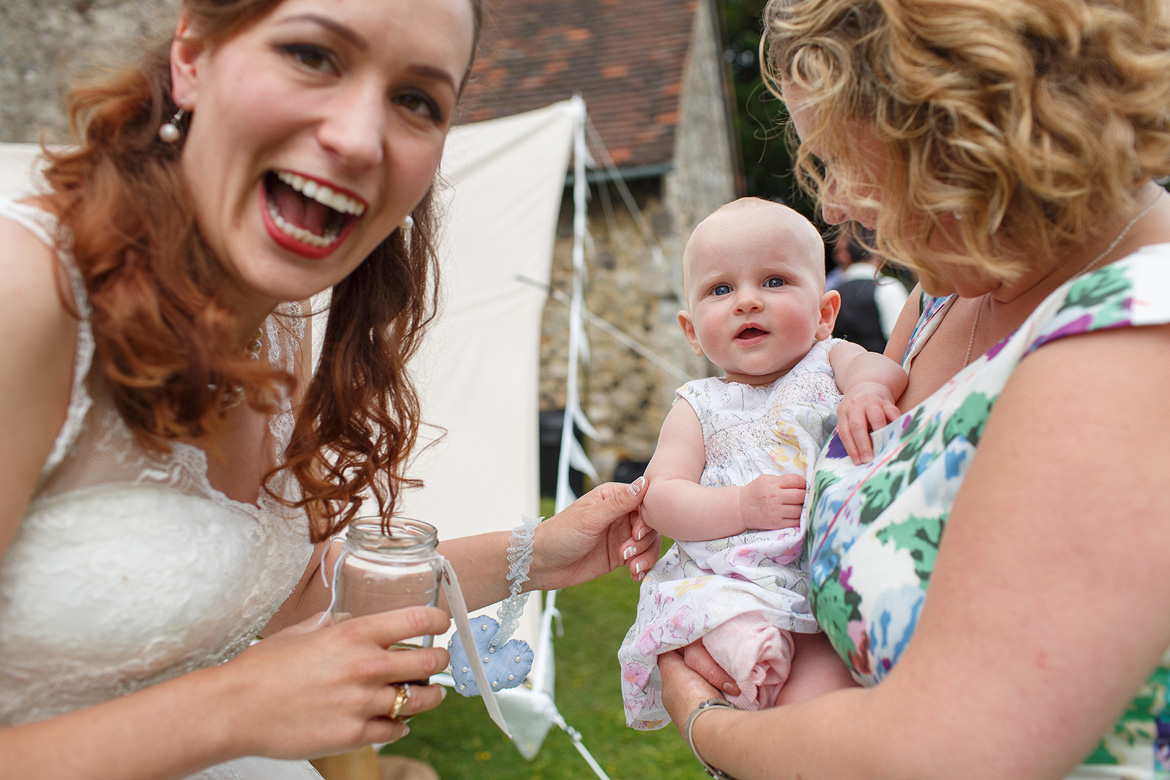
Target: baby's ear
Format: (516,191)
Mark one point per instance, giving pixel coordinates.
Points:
(684,319)
(830,307)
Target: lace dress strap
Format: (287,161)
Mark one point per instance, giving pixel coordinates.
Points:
(45,227)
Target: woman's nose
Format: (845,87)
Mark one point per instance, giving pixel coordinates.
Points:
(834,213)
(353,129)
(832,209)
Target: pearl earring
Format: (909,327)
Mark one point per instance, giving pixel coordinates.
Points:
(169,133)
(407,223)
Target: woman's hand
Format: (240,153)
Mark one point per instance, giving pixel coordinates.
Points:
(313,690)
(683,688)
(593,536)
(700,661)
(816,669)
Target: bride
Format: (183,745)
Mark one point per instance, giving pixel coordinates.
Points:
(172,467)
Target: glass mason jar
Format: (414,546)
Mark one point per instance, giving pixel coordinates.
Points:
(380,572)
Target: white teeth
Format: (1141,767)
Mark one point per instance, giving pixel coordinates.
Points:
(299,233)
(322,194)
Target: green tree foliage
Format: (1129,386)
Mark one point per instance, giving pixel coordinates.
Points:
(759,115)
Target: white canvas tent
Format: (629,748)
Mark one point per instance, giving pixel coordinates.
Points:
(478,376)
(478,373)
(18,169)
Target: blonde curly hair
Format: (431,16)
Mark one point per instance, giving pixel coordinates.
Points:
(1025,119)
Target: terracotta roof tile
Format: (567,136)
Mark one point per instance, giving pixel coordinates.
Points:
(626,58)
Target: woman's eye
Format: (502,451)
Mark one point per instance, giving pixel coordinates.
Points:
(721,289)
(422,105)
(313,57)
(774,281)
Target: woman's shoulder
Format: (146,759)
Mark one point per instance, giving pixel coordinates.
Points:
(29,253)
(22,218)
(39,337)
(32,274)
(1131,292)
(29,218)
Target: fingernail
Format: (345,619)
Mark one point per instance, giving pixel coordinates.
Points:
(442,693)
(405,731)
(629,553)
(729,688)
(638,567)
(640,534)
(637,485)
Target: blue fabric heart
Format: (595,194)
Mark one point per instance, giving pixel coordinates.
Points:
(506,666)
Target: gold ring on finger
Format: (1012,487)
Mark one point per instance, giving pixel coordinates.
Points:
(400,701)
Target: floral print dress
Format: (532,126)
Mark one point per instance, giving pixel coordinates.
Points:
(889,515)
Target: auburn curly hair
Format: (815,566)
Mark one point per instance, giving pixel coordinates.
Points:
(1025,119)
(170,351)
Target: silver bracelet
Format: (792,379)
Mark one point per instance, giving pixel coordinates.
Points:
(719,774)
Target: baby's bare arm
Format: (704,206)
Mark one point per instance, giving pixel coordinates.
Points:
(677,506)
(872,384)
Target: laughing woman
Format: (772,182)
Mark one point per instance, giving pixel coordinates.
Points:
(169,462)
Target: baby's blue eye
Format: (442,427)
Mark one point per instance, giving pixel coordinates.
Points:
(774,281)
(721,289)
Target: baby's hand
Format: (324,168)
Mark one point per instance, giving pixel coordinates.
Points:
(866,407)
(770,502)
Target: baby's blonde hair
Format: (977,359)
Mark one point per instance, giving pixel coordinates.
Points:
(1026,119)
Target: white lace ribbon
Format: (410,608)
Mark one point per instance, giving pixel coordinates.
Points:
(463,628)
(520,561)
(332,590)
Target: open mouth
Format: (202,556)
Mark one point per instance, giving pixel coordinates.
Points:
(307,211)
(750,332)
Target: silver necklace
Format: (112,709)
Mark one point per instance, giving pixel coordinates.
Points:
(1092,264)
(974,325)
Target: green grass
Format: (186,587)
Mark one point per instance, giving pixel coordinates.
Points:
(460,741)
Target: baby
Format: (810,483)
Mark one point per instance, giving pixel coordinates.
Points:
(730,472)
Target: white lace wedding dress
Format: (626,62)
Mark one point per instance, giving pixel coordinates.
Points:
(130,568)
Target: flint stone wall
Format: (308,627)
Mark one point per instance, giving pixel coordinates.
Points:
(46,44)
